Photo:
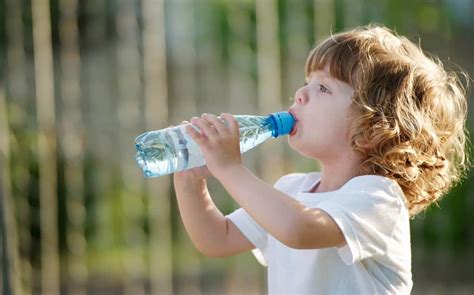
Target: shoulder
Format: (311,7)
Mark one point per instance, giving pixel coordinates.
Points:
(377,188)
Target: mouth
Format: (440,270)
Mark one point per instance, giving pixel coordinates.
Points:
(293,130)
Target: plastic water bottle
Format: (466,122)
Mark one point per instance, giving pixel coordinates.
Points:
(172,149)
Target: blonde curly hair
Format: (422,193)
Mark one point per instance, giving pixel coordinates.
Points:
(410,111)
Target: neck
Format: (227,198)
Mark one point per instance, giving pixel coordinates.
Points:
(336,172)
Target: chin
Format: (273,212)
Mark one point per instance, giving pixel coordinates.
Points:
(314,152)
(301,150)
(309,154)
(291,143)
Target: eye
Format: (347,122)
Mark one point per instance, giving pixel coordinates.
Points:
(304,83)
(323,89)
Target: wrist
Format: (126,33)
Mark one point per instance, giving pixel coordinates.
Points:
(190,183)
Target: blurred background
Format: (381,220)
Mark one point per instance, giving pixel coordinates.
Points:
(79,80)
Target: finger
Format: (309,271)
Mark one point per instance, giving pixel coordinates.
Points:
(195,135)
(232,123)
(218,123)
(206,117)
(203,172)
(195,172)
(184,122)
(204,126)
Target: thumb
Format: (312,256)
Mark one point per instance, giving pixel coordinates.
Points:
(204,171)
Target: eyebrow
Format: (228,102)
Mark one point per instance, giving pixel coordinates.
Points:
(332,81)
(327,78)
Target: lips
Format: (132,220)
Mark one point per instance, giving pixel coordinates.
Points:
(293,130)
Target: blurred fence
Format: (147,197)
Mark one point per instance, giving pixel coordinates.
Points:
(80,79)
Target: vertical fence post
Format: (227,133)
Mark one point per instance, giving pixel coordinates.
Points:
(11,272)
(101,163)
(353,13)
(324,18)
(156,115)
(297,46)
(298,36)
(46,145)
(182,106)
(128,102)
(241,58)
(269,81)
(71,133)
(5,282)
(243,94)
(19,91)
(16,67)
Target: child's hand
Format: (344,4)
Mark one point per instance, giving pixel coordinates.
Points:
(219,141)
(191,179)
(194,174)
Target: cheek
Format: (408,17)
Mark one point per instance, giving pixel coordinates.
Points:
(338,122)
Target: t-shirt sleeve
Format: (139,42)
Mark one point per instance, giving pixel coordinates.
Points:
(367,220)
(251,229)
(253,232)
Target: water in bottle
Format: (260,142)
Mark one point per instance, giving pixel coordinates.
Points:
(171,150)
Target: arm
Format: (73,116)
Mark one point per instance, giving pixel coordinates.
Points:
(286,219)
(211,232)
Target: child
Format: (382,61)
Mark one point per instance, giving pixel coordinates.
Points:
(386,123)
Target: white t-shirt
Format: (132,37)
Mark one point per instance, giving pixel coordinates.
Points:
(372,213)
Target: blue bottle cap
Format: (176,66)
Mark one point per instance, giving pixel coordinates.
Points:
(282,123)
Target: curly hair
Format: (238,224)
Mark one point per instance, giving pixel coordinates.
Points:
(410,112)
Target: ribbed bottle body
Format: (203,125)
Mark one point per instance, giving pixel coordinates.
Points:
(171,150)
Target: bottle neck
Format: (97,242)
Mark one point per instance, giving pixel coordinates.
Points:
(281,123)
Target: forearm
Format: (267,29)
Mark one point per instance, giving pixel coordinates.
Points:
(204,223)
(288,220)
(275,211)
(283,217)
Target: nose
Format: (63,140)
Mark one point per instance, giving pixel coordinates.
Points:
(300,97)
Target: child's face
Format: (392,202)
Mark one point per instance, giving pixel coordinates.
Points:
(321,108)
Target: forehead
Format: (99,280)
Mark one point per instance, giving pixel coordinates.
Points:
(337,55)
(323,73)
